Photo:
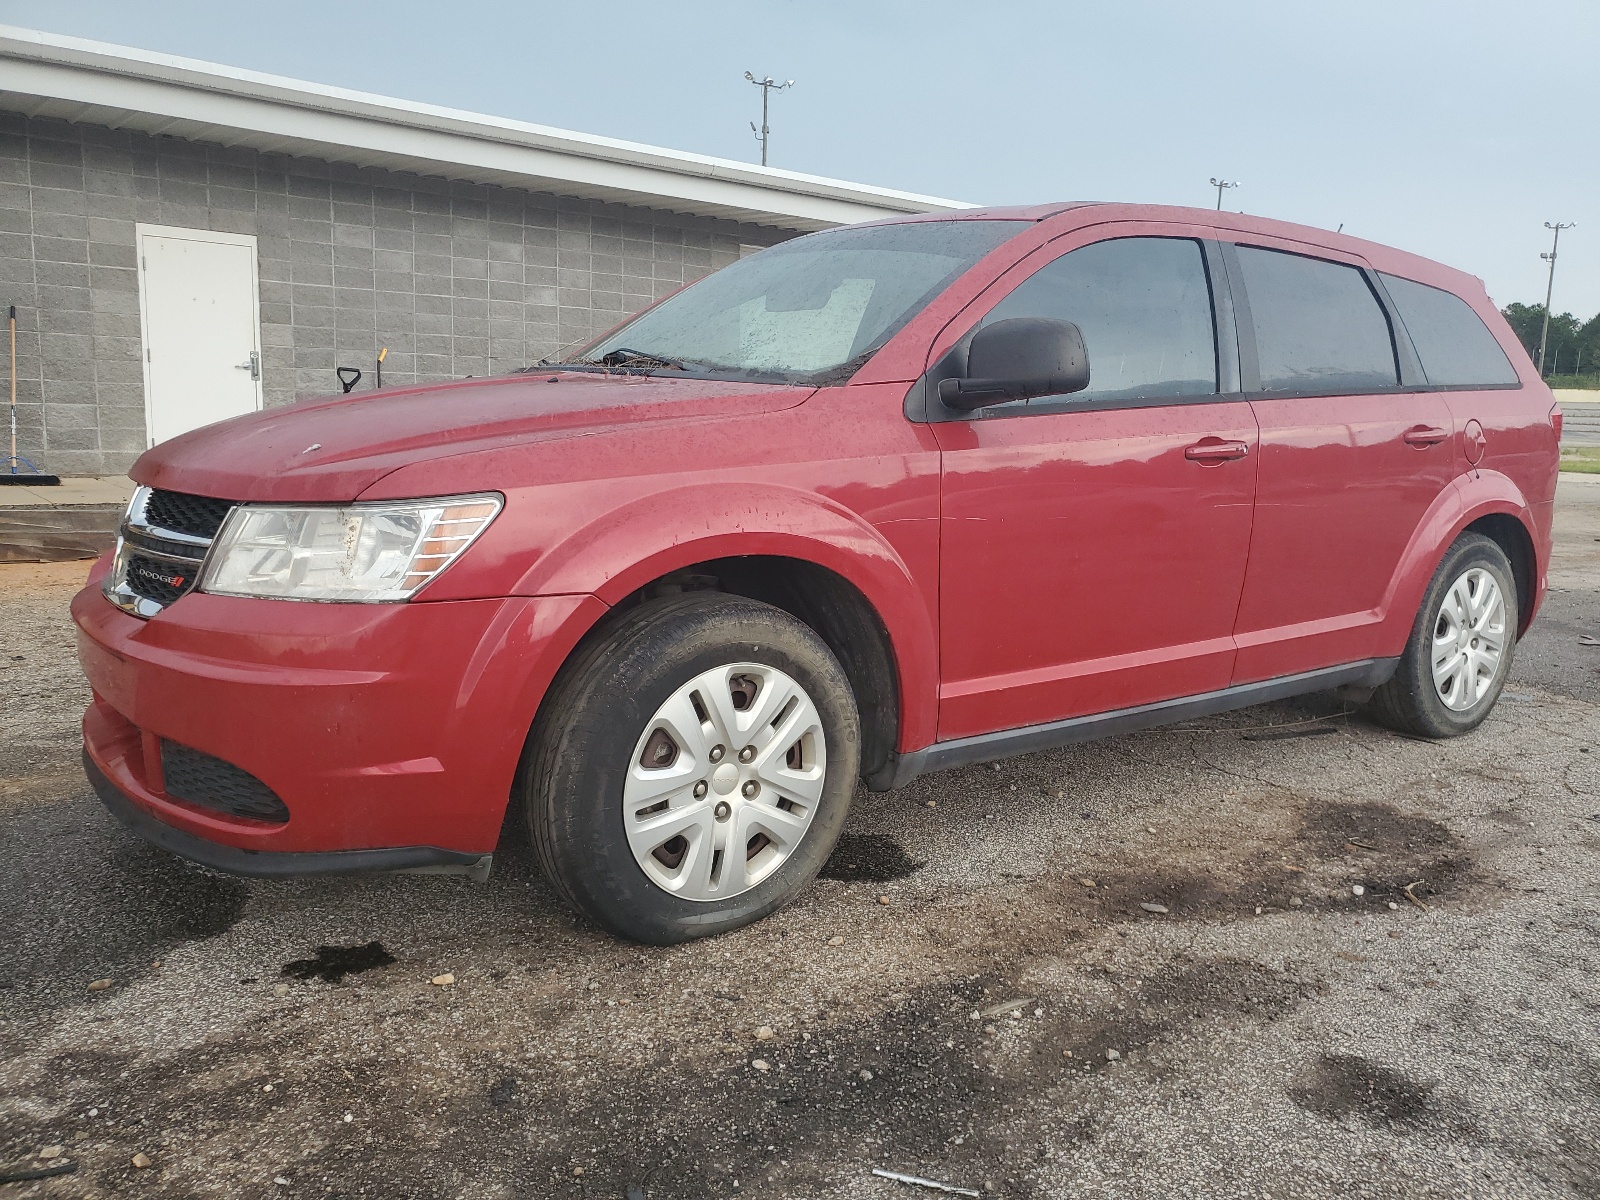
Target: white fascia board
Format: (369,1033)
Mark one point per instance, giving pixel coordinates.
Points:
(164,94)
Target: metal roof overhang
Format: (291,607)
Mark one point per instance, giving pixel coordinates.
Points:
(71,79)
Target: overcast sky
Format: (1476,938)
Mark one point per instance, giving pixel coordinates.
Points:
(1453,128)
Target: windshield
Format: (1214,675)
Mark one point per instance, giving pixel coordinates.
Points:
(805,311)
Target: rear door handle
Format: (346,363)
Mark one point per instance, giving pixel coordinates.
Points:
(1213,451)
(1423,436)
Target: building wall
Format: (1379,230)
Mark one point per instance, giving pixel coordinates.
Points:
(455,279)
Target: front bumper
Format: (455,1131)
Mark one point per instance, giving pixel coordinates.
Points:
(391,732)
(278,863)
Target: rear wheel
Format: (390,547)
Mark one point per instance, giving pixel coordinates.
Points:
(692,767)
(1459,654)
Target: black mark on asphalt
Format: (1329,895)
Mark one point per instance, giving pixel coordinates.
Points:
(1344,1085)
(1336,845)
(869,858)
(1409,849)
(1134,1013)
(333,963)
(22,1172)
(918,1083)
(1282,735)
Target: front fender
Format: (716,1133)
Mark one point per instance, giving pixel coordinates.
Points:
(1469,498)
(620,550)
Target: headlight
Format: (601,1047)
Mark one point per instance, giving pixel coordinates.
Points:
(367,552)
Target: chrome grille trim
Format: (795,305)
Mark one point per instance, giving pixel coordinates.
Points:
(138,537)
(167,535)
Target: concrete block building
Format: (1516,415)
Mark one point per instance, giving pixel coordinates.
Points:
(184,241)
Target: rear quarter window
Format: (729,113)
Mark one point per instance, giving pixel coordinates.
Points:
(1454,345)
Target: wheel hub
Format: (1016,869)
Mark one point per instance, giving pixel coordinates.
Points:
(725,780)
(1469,639)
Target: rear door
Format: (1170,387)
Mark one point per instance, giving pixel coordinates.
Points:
(1350,458)
(1093,545)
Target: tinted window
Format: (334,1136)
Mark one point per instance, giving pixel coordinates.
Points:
(1456,348)
(1319,328)
(1144,307)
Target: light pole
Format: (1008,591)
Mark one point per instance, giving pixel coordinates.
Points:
(1222,185)
(1550,286)
(768,85)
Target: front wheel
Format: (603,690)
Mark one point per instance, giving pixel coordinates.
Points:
(1458,656)
(692,767)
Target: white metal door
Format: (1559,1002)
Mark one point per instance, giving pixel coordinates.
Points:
(200,312)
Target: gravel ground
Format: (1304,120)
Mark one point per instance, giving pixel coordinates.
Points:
(975,992)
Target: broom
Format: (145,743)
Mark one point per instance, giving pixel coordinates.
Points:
(13,472)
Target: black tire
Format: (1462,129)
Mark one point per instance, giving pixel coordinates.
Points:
(592,720)
(1409,702)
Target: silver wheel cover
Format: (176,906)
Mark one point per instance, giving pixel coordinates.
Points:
(730,801)
(1469,639)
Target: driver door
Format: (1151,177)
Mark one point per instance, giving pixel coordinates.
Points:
(1093,546)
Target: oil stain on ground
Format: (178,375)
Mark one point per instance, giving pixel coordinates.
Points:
(333,963)
(869,858)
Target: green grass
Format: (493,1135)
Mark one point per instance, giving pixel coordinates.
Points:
(1584,382)
(1585,460)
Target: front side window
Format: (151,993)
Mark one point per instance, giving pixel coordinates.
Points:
(1454,345)
(1144,307)
(810,310)
(1319,327)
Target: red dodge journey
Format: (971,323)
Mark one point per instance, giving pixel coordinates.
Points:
(876,501)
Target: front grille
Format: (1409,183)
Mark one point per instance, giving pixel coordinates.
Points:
(162,581)
(161,548)
(212,783)
(197,516)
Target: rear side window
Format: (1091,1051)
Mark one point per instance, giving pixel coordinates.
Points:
(1456,348)
(1144,306)
(1319,327)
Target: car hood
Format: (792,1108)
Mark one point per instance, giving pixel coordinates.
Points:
(332,450)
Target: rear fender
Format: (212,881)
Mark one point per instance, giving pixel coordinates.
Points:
(621,550)
(1468,498)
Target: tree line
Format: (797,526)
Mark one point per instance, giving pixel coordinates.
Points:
(1574,345)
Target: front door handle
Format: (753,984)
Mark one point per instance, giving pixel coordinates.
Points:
(252,364)
(1214,451)
(1423,436)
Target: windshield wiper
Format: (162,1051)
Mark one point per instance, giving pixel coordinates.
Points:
(626,356)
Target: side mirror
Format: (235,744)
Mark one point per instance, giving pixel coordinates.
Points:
(1017,359)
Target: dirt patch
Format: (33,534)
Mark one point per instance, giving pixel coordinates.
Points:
(1347,1085)
(917,1086)
(1334,849)
(1133,1014)
(33,581)
(1393,850)
(333,963)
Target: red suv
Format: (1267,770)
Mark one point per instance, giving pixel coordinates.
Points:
(876,501)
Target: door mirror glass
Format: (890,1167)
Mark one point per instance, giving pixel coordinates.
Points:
(1018,359)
